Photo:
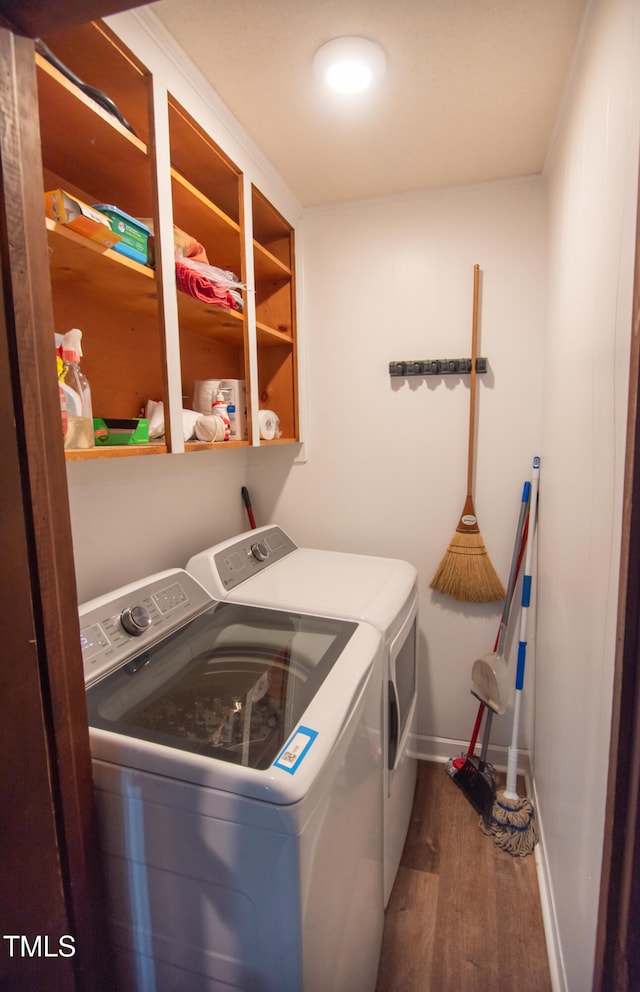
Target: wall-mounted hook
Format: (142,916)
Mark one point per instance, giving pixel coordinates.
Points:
(437,366)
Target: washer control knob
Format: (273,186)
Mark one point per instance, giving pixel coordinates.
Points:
(135,620)
(260,550)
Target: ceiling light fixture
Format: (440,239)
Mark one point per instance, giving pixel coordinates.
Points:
(349,65)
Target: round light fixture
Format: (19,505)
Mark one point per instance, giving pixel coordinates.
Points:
(349,65)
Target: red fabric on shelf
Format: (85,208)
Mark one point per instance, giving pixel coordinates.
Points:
(194,284)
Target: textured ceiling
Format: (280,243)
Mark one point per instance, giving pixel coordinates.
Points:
(471,93)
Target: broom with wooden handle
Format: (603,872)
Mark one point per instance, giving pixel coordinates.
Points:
(466,572)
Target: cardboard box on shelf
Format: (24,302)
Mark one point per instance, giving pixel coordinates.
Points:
(113,431)
(134,233)
(80,217)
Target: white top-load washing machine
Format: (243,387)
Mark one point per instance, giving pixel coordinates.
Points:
(265,567)
(237,769)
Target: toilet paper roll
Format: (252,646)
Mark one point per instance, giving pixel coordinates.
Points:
(269,425)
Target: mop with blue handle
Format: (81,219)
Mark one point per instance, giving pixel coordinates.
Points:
(513,822)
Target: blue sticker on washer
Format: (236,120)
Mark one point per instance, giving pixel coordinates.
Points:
(295,749)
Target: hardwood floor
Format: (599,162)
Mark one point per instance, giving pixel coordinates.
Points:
(463,915)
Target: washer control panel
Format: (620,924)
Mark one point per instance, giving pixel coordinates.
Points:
(115,627)
(239,561)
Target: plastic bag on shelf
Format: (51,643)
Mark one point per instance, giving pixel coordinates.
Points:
(220,277)
(194,424)
(202,282)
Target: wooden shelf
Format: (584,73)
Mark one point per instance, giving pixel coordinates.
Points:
(197,157)
(267,266)
(269,336)
(211,320)
(264,442)
(97,56)
(271,230)
(198,216)
(88,146)
(113,451)
(214,445)
(88,268)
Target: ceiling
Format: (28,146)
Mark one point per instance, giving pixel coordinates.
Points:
(471,92)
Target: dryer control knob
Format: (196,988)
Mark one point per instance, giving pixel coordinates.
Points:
(135,620)
(260,550)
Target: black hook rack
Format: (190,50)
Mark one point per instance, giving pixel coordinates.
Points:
(437,366)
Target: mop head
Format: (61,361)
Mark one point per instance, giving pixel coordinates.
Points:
(466,572)
(513,825)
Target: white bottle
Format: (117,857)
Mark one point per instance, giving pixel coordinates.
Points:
(219,409)
(236,392)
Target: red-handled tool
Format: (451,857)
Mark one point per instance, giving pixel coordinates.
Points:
(247,502)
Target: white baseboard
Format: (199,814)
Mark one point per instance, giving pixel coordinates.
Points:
(549,916)
(443,748)
(440,749)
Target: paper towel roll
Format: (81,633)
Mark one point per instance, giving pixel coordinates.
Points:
(269,425)
(204,393)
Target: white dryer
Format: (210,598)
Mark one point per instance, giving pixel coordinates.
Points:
(237,769)
(265,567)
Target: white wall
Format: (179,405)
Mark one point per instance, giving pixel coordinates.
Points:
(387,458)
(384,468)
(593,176)
(131,517)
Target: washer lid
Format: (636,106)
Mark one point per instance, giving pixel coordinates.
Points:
(251,688)
(335,584)
(265,567)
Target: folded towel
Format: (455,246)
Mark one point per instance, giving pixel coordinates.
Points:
(191,282)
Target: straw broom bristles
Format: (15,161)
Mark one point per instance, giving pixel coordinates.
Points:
(466,572)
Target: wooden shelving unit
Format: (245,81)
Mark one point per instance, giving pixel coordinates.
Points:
(87,152)
(273,255)
(120,305)
(207,196)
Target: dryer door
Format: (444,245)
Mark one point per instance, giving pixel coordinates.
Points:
(402,687)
